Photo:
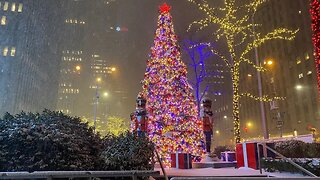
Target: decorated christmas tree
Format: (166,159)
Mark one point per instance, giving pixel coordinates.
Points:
(172,112)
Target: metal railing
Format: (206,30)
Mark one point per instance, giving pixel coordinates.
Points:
(49,175)
(282,157)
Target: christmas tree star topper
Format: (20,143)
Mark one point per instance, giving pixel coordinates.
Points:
(164,8)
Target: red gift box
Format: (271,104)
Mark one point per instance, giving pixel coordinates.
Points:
(247,155)
(181,160)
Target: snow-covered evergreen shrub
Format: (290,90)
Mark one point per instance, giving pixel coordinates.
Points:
(47,141)
(127,152)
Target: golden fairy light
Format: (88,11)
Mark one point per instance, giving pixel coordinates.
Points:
(234,24)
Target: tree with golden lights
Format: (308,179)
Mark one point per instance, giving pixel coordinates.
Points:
(236,28)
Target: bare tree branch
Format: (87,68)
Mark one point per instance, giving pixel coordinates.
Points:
(264,98)
(258,68)
(280,33)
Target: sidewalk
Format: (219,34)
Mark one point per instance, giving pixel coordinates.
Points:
(207,172)
(225,172)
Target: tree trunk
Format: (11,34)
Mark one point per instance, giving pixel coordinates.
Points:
(236,102)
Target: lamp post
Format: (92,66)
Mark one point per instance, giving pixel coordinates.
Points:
(262,110)
(96,102)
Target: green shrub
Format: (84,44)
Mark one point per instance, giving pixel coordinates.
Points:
(314,150)
(298,149)
(272,165)
(48,141)
(219,149)
(127,152)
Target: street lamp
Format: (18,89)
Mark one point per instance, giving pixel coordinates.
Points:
(105,94)
(113,69)
(268,62)
(298,87)
(78,68)
(95,107)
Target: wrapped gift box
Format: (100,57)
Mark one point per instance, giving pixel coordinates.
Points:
(181,160)
(228,156)
(247,155)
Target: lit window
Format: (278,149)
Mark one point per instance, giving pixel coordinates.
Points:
(3,20)
(13,51)
(309,72)
(5,51)
(298,61)
(300,75)
(20,7)
(13,7)
(5,6)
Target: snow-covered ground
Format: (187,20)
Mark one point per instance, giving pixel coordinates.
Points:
(223,172)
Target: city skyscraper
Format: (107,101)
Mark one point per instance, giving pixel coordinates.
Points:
(87,62)
(29,55)
(290,73)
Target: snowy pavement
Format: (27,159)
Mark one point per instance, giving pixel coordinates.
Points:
(228,172)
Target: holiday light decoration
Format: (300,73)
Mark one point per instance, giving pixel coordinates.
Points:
(264,98)
(198,54)
(173,124)
(315,16)
(234,23)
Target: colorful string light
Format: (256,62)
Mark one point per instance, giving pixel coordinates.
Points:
(315,16)
(173,124)
(241,39)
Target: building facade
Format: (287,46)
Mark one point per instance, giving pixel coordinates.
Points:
(291,73)
(87,65)
(29,55)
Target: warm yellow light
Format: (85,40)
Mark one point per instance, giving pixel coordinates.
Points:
(78,68)
(105,94)
(98,79)
(269,62)
(298,87)
(249,75)
(225,117)
(230,31)
(217,132)
(113,69)
(249,124)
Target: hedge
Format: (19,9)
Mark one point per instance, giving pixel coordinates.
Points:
(52,141)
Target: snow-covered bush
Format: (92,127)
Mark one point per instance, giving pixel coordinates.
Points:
(311,164)
(298,149)
(127,152)
(47,141)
